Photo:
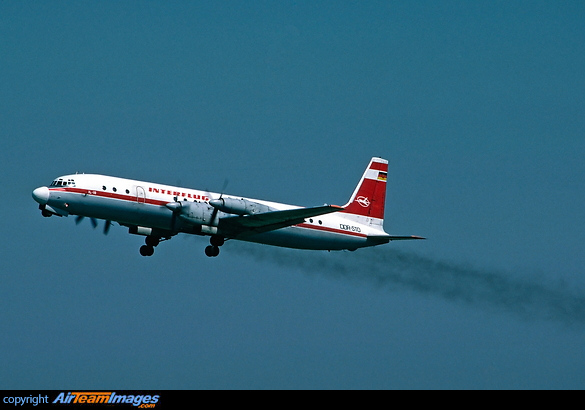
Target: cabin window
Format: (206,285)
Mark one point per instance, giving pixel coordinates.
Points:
(104,187)
(114,189)
(127,191)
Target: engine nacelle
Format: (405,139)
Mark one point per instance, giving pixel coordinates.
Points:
(198,213)
(239,206)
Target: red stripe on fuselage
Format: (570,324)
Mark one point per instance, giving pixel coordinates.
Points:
(103,194)
(333,230)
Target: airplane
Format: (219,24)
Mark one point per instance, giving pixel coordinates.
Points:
(160,212)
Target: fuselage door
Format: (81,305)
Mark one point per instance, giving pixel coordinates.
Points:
(140,195)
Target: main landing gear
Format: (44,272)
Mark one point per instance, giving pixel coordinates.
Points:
(213,250)
(151,243)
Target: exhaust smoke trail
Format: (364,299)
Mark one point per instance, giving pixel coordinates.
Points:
(523,296)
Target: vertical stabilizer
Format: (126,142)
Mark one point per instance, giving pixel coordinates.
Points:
(368,200)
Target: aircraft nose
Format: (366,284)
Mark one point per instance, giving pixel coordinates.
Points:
(41,195)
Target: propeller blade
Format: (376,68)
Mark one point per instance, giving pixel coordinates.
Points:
(173,221)
(216,210)
(223,188)
(107,227)
(94,222)
(176,208)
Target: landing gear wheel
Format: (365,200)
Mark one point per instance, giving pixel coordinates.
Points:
(152,241)
(146,250)
(212,251)
(217,240)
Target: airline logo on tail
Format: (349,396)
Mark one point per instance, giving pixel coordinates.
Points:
(363,201)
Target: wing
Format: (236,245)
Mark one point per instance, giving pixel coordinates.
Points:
(237,226)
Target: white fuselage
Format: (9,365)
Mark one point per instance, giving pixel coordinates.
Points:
(142,206)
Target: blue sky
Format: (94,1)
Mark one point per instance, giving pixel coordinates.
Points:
(477,105)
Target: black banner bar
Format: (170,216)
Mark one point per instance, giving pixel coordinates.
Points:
(93,399)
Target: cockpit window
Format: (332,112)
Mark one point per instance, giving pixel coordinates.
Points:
(63,182)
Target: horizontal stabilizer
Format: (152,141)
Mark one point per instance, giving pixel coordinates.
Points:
(381,239)
(404,238)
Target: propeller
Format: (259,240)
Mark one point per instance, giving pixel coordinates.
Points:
(107,227)
(216,210)
(94,223)
(175,207)
(80,218)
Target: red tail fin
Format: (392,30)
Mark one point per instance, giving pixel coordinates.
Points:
(369,197)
